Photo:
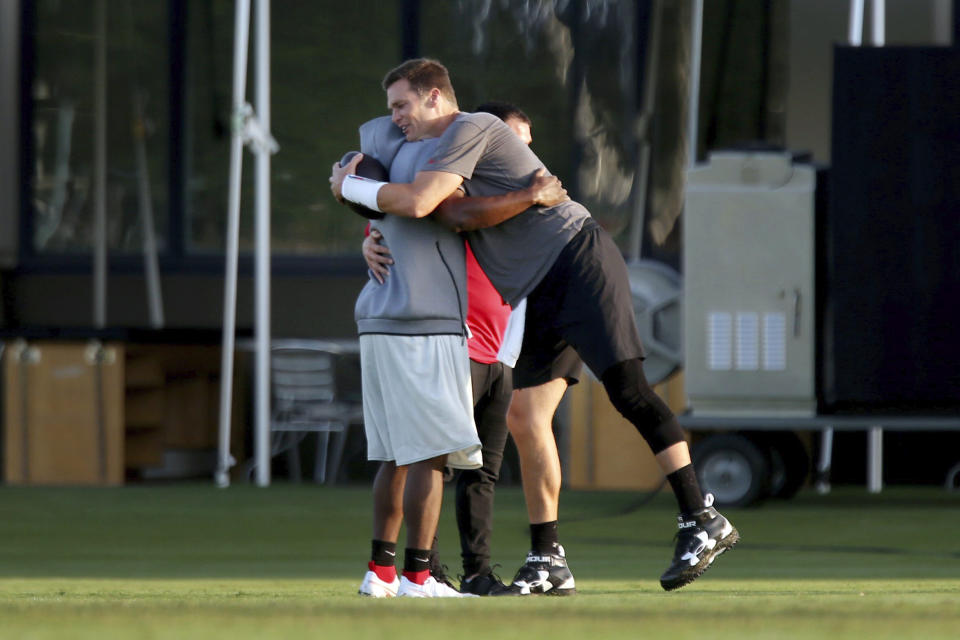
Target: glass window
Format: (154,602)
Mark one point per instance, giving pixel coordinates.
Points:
(325,82)
(61,179)
(321,71)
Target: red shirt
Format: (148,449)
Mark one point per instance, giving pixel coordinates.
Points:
(487,313)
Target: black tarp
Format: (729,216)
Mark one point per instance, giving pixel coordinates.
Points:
(890,298)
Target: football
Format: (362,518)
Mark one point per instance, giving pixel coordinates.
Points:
(370,168)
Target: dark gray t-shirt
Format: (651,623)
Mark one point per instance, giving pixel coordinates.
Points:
(492,159)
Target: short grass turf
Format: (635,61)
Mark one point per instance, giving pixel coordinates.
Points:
(285,562)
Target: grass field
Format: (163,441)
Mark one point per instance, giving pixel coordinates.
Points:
(196,562)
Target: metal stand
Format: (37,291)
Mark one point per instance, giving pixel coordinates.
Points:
(145,198)
(877,37)
(100,167)
(248,129)
(878,25)
(875,459)
(693,109)
(822,480)
(151,267)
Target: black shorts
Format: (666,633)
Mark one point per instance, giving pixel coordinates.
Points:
(582,306)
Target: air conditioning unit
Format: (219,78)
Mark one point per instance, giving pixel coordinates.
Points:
(748,300)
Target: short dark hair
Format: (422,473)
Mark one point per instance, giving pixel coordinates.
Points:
(504,110)
(423,74)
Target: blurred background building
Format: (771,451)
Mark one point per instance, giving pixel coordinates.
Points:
(606,83)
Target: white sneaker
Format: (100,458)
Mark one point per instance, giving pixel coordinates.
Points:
(429,589)
(374,587)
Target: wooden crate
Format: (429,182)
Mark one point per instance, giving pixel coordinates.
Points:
(63,413)
(172,400)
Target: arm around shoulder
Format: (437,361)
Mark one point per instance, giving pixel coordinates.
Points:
(463,213)
(419,198)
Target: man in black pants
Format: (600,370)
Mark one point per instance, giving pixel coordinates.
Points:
(492,386)
(579,300)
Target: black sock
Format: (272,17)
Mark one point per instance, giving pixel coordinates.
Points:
(686,488)
(416,560)
(384,553)
(544,537)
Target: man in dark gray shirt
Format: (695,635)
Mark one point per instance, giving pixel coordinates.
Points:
(578,303)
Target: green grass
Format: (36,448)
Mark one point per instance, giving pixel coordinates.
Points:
(284,562)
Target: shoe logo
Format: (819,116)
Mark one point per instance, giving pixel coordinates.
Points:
(552,560)
(688,524)
(541,582)
(703,543)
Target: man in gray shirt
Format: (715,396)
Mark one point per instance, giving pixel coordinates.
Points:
(578,303)
(415,368)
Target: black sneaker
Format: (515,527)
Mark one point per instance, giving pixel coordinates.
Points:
(702,537)
(543,573)
(485,584)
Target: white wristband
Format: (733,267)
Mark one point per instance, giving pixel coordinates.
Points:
(361,190)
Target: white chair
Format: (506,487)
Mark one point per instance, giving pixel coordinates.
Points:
(305,400)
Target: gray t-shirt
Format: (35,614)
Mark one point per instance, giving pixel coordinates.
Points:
(425,293)
(517,253)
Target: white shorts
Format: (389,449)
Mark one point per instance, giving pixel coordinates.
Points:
(417,399)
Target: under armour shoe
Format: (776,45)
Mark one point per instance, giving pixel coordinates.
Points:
(374,587)
(485,584)
(543,573)
(429,589)
(702,537)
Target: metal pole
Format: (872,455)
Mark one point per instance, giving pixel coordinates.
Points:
(693,108)
(942,21)
(826,459)
(10,135)
(145,197)
(150,264)
(878,21)
(100,168)
(262,247)
(241,36)
(646,119)
(875,459)
(855,30)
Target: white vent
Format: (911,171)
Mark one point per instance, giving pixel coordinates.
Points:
(774,342)
(719,341)
(748,341)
